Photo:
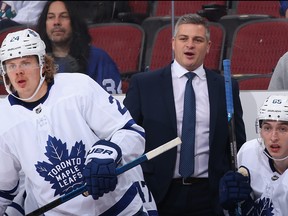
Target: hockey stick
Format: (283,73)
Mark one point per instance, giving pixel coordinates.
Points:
(231,127)
(230,113)
(149,155)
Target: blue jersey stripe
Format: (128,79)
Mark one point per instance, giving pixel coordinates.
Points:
(18,207)
(122,203)
(129,126)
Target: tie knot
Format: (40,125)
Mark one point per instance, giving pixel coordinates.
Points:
(190,75)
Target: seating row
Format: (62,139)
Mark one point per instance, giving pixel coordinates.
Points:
(136,11)
(255,49)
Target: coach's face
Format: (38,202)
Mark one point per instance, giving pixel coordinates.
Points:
(58,24)
(190,45)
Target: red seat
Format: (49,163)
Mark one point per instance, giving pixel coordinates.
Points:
(123,42)
(161,53)
(258,45)
(254,83)
(258,7)
(139,10)
(163,8)
(141,7)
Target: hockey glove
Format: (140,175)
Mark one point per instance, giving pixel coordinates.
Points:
(100,170)
(233,188)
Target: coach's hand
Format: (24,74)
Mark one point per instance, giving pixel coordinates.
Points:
(234,187)
(100,170)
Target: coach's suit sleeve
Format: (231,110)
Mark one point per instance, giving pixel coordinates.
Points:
(132,100)
(238,116)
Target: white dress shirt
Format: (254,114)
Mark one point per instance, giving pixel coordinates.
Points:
(202,115)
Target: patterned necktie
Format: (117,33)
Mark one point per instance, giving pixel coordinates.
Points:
(186,167)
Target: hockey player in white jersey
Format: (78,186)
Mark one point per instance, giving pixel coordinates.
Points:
(63,131)
(263,189)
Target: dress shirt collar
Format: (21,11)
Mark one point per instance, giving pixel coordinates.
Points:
(181,71)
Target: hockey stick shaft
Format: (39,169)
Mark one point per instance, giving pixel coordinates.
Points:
(149,155)
(230,115)
(230,112)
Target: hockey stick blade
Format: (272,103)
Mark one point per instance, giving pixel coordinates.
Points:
(149,155)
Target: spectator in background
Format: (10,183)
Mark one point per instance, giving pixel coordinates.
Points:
(283,8)
(15,13)
(155,101)
(67,39)
(279,79)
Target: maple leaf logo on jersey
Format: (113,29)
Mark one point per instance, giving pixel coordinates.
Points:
(264,207)
(64,171)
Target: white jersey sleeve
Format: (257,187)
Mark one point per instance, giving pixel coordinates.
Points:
(16,208)
(10,165)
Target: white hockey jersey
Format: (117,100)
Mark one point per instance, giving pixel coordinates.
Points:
(269,187)
(49,142)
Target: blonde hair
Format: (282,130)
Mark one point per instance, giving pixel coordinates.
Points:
(49,68)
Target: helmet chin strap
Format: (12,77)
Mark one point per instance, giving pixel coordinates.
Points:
(269,156)
(275,159)
(42,79)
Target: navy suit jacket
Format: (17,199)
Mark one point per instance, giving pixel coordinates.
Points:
(151,103)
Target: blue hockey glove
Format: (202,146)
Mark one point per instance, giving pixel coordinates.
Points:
(100,170)
(233,188)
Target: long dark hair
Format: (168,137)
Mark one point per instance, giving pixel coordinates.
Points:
(81,39)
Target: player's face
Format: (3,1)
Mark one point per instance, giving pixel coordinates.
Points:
(24,75)
(275,136)
(190,46)
(58,24)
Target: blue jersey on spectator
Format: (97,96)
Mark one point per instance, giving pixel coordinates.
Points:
(283,7)
(100,67)
(104,71)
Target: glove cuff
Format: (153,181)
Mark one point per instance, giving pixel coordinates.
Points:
(104,149)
